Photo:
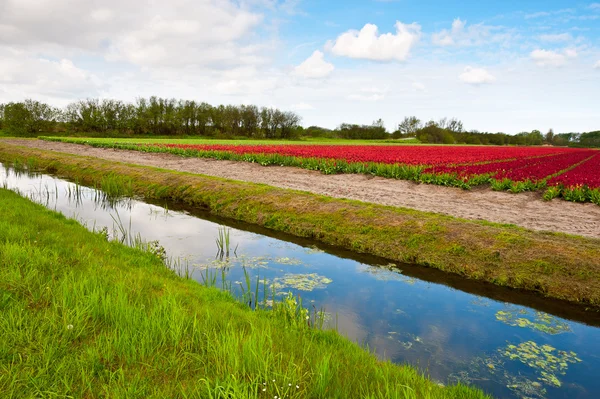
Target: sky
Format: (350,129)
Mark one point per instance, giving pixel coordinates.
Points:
(497,66)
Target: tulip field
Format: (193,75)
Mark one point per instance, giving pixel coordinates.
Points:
(570,173)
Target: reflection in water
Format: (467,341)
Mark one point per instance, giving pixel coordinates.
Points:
(506,349)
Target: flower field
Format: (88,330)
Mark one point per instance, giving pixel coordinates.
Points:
(570,173)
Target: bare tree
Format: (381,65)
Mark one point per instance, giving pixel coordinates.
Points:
(409,126)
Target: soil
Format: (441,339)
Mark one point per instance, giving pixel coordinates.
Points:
(527,210)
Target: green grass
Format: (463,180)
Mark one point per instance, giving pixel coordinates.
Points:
(208,140)
(83,317)
(398,234)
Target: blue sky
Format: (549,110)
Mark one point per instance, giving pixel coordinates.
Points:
(496,66)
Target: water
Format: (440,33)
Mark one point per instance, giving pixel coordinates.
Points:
(508,343)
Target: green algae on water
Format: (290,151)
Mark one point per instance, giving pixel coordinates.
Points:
(546,360)
(302,282)
(539,321)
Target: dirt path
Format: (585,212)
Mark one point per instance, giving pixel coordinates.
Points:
(524,209)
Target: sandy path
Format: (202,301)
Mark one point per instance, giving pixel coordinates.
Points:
(524,209)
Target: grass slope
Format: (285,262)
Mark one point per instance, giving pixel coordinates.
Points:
(83,317)
(556,265)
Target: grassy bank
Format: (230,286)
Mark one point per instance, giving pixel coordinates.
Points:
(84,317)
(553,264)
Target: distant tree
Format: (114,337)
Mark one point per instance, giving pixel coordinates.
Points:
(590,139)
(29,117)
(317,131)
(454,125)
(549,137)
(250,118)
(288,124)
(376,131)
(2,116)
(409,126)
(432,133)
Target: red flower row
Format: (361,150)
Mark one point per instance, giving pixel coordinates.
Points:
(588,174)
(531,168)
(407,155)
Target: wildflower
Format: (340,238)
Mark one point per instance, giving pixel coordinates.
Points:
(297,386)
(70,327)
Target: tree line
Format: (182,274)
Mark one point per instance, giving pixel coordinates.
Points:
(170,117)
(451,131)
(151,116)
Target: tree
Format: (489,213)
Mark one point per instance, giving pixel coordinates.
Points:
(549,137)
(2,116)
(29,117)
(432,133)
(409,126)
(250,118)
(454,125)
(288,124)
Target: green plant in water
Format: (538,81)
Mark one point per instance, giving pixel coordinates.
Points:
(302,282)
(541,321)
(546,360)
(223,242)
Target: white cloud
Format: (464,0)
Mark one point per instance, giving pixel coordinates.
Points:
(552,58)
(418,86)
(597,66)
(28,76)
(476,76)
(146,33)
(314,67)
(473,35)
(366,97)
(368,44)
(549,13)
(302,107)
(559,37)
(369,94)
(446,37)
(594,6)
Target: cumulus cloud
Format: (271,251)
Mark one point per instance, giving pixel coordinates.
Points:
(476,76)
(370,45)
(146,33)
(552,58)
(314,67)
(28,76)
